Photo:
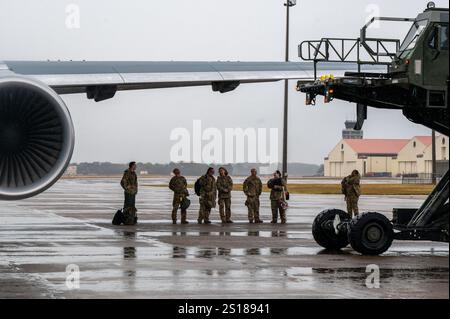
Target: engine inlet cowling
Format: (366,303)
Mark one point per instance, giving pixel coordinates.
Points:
(36,137)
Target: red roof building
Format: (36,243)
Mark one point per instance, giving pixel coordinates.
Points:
(377,146)
(384,157)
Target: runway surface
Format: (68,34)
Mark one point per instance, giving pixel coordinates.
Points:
(71,225)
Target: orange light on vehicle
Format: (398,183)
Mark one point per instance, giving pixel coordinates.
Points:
(407,62)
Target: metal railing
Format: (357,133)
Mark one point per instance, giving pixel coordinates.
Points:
(364,50)
(383,51)
(419,178)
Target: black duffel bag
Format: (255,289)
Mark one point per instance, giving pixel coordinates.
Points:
(119,218)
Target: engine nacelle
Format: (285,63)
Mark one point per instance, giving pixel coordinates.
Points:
(36,137)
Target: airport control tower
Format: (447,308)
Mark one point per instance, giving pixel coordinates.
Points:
(349,133)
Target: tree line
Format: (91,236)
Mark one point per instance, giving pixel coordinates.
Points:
(191,169)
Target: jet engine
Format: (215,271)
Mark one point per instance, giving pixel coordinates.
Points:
(36,137)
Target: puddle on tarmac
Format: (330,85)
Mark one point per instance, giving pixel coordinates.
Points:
(262,234)
(344,282)
(209,253)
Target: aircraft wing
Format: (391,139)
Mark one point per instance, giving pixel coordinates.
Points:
(91,77)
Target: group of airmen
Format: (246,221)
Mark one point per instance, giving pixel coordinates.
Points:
(212,191)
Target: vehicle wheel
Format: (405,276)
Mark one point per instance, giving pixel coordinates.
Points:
(325,237)
(371,234)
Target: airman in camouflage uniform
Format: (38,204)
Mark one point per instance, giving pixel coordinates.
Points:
(178,185)
(277,186)
(253,189)
(224,187)
(129,184)
(352,191)
(208,195)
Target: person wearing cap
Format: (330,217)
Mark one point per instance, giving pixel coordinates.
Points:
(224,188)
(208,196)
(129,184)
(252,189)
(278,189)
(178,185)
(352,190)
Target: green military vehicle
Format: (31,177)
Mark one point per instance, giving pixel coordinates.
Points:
(415,81)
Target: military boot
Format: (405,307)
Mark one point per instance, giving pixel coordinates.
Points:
(274,217)
(223,218)
(228,218)
(283,216)
(184,218)
(257,219)
(174,217)
(206,217)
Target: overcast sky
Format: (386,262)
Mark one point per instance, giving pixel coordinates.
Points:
(137,125)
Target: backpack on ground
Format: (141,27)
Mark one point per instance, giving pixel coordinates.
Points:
(119,218)
(127,217)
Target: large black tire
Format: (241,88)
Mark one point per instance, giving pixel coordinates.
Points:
(326,238)
(371,234)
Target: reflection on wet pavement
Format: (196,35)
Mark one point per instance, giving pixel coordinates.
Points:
(71,224)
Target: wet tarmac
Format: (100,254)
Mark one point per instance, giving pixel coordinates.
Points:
(71,225)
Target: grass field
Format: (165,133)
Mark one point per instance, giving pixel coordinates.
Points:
(335,189)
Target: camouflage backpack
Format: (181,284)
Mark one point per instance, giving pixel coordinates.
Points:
(198,186)
(344,186)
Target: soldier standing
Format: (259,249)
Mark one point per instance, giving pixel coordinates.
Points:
(352,191)
(224,187)
(129,184)
(178,185)
(208,194)
(278,188)
(253,189)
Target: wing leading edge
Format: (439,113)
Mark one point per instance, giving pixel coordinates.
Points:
(104,78)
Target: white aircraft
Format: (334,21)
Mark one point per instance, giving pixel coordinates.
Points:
(36,130)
